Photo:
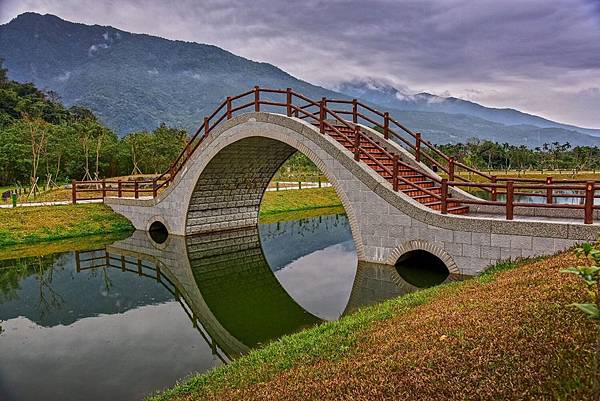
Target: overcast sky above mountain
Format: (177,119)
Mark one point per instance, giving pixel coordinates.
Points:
(538,56)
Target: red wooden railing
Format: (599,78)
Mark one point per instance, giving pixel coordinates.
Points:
(327,115)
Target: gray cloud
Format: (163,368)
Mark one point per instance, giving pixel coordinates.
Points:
(540,56)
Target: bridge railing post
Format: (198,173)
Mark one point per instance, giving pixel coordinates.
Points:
(103,189)
(256,99)
(494,189)
(356,143)
(451,168)
(418,146)
(205,126)
(228,107)
(589,203)
(386,125)
(77,262)
(288,101)
(74,191)
(444,196)
(154,190)
(549,195)
(119,188)
(322,116)
(510,200)
(395,173)
(136,194)
(354,111)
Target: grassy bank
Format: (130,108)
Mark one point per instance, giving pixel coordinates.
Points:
(58,246)
(296,200)
(26,225)
(508,334)
(300,214)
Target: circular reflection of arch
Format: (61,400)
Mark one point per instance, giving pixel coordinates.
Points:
(314,260)
(241,291)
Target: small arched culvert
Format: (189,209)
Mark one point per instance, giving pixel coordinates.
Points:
(158,232)
(421,268)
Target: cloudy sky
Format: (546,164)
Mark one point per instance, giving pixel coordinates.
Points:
(540,56)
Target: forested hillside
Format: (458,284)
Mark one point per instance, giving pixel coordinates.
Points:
(131,81)
(136,82)
(44,143)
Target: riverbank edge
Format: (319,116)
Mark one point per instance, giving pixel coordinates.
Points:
(328,341)
(43,224)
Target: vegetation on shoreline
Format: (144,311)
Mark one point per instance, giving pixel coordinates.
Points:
(43,143)
(294,200)
(488,155)
(507,334)
(26,225)
(300,214)
(60,246)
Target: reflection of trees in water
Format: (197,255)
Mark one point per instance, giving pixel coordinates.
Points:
(14,271)
(95,265)
(305,226)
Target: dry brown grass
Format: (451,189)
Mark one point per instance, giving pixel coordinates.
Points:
(513,338)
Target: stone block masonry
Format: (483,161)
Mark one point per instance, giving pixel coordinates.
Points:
(220,188)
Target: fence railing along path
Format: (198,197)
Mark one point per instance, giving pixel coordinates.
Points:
(340,118)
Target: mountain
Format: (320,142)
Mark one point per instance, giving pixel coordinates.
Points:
(136,81)
(132,81)
(386,95)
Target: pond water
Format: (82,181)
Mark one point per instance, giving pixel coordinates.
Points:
(564,199)
(133,317)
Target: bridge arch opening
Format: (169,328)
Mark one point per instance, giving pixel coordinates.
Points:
(230,188)
(158,232)
(422,268)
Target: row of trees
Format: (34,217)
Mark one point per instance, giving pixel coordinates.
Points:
(43,143)
(553,156)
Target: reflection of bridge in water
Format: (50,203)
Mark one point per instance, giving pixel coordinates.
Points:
(228,289)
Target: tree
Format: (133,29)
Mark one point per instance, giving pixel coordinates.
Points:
(37,130)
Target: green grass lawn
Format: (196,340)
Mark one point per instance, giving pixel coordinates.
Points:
(26,225)
(294,200)
(509,334)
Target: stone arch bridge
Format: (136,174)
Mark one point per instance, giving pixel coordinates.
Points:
(401,194)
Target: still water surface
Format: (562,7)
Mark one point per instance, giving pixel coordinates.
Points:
(131,318)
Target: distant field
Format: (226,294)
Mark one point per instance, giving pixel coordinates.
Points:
(556,174)
(305,199)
